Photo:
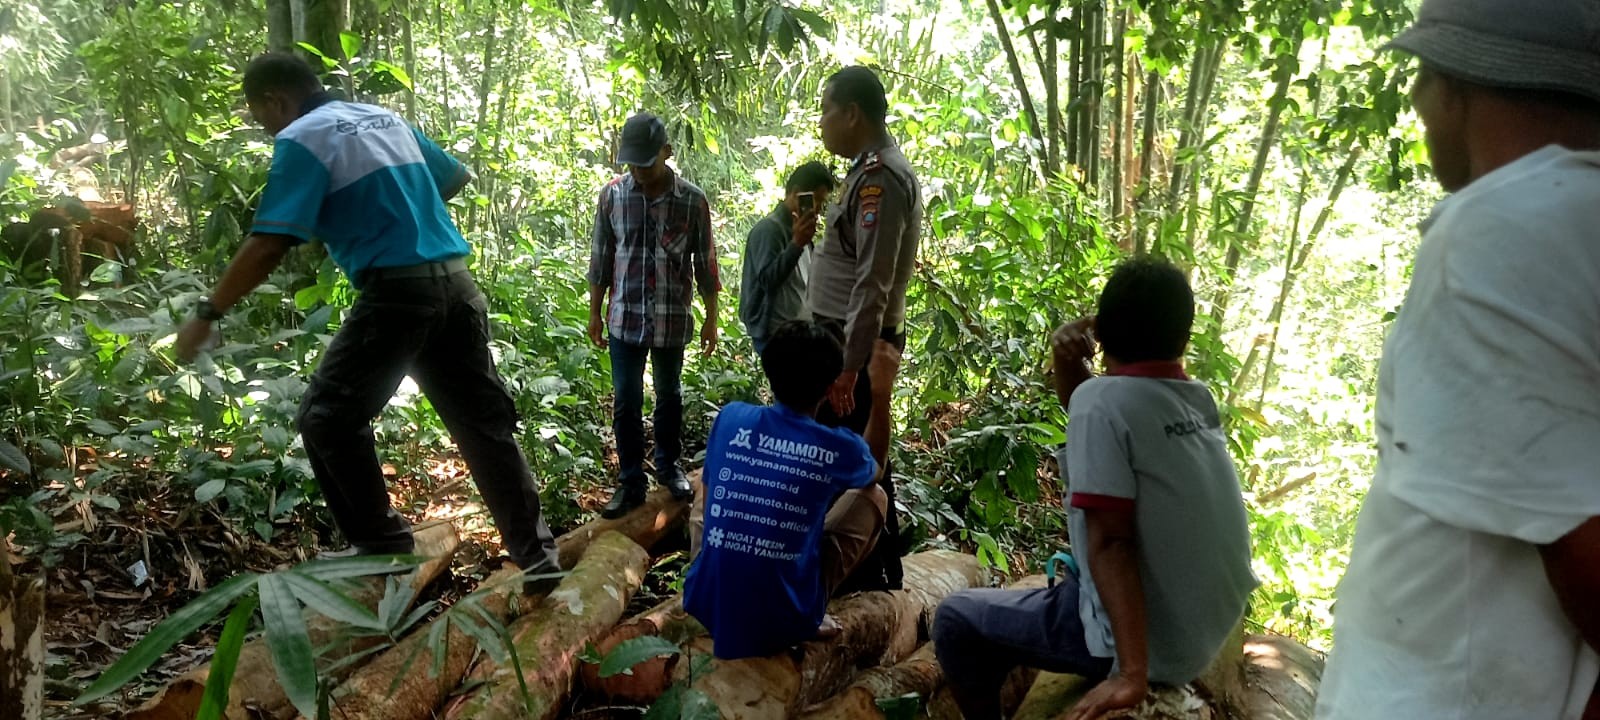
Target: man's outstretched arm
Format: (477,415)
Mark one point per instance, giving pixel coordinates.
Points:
(256,259)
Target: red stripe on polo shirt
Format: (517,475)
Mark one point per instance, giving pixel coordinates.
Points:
(1091,501)
(1164,369)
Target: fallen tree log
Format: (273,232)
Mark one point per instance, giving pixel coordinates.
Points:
(255,681)
(652,677)
(21,643)
(549,638)
(1281,677)
(373,692)
(876,628)
(1276,678)
(400,683)
(919,674)
(255,692)
(646,525)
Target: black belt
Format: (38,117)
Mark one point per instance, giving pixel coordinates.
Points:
(423,270)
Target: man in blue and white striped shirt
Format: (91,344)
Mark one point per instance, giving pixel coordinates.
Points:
(373,190)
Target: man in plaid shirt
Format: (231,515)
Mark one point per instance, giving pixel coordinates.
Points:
(651,246)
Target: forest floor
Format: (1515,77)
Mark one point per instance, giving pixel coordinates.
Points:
(137,564)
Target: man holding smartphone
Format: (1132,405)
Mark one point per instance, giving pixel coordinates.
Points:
(777,255)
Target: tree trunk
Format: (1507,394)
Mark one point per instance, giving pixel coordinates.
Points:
(1202,80)
(400,683)
(1283,77)
(21,643)
(491,44)
(280,26)
(1092,112)
(367,695)
(1152,102)
(1263,677)
(1280,679)
(1293,262)
(1074,73)
(409,48)
(1118,135)
(651,678)
(877,628)
(919,674)
(8,120)
(549,638)
(1052,89)
(646,525)
(255,692)
(319,22)
(1004,33)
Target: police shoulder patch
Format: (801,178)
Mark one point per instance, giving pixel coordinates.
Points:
(869,191)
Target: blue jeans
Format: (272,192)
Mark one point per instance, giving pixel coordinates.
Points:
(627,381)
(980,636)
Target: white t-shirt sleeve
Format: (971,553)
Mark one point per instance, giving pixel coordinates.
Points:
(1497,388)
(1099,461)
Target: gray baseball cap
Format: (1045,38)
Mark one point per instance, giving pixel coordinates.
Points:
(1512,44)
(642,138)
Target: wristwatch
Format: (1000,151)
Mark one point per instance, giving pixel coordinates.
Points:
(204,310)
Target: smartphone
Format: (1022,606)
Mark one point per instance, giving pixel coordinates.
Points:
(808,202)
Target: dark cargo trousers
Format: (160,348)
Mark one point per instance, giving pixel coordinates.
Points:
(434,328)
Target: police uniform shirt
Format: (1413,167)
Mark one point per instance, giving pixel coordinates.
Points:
(861,270)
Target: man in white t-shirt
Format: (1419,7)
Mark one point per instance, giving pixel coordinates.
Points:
(1157,525)
(1473,591)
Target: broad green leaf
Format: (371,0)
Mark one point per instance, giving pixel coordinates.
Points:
(342,568)
(148,426)
(310,295)
(681,702)
(176,627)
(222,229)
(496,645)
(698,706)
(317,321)
(101,427)
(219,678)
(289,643)
(590,654)
(628,653)
(396,598)
(12,457)
(1251,414)
(350,43)
(254,468)
(1046,434)
(275,438)
(209,491)
(133,326)
(320,598)
(438,644)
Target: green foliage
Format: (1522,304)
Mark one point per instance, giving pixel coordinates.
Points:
(631,652)
(529,95)
(282,597)
(681,701)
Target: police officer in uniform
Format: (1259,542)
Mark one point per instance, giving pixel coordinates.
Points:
(860,273)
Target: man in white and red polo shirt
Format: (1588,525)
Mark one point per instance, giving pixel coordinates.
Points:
(1156,521)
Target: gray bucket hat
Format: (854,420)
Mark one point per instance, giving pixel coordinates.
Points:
(1513,44)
